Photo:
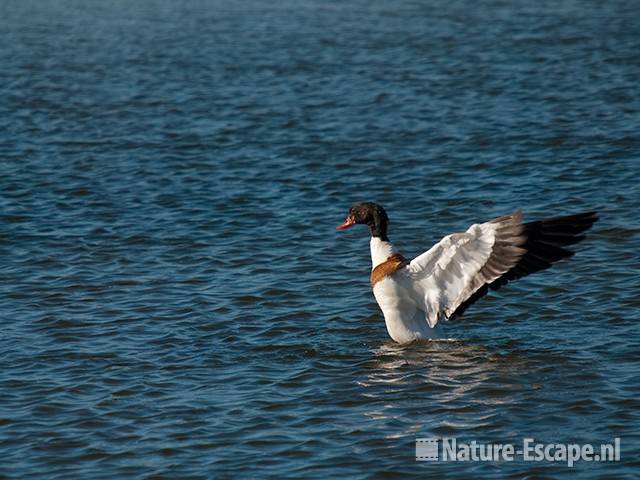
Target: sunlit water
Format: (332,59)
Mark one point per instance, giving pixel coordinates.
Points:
(175,301)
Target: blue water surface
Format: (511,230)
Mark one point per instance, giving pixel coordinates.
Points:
(175,301)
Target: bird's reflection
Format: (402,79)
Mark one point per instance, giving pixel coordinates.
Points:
(448,362)
(443,379)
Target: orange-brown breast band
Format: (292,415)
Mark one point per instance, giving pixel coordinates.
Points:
(388,267)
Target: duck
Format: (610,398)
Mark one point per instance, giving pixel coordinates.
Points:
(441,283)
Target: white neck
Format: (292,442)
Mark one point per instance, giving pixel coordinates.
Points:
(380,251)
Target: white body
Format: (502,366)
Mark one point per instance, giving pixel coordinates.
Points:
(404,319)
(433,285)
(396,296)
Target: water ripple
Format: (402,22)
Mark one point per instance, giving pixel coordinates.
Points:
(176,303)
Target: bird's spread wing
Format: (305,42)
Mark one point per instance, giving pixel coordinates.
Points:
(460,264)
(462,267)
(545,242)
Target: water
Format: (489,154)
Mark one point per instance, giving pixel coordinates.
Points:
(175,300)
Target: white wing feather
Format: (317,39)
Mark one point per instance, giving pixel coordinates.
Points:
(456,267)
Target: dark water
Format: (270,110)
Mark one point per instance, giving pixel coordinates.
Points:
(175,301)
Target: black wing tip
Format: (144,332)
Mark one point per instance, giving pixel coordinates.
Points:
(545,248)
(583,217)
(566,226)
(587,217)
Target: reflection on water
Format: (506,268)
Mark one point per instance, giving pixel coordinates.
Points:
(461,387)
(448,370)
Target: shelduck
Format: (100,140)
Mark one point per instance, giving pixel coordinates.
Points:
(414,295)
